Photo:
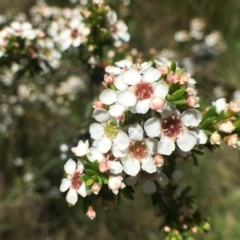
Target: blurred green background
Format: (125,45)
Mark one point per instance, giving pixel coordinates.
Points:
(35,209)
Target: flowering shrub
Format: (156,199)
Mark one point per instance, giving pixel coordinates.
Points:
(146,118)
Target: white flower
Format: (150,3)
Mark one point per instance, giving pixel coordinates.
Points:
(140,152)
(115,183)
(220,105)
(181,36)
(74,35)
(81,149)
(226,127)
(215,138)
(107,136)
(118,29)
(174,127)
(72,182)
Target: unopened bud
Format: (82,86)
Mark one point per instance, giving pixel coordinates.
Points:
(104,166)
(96,188)
(226,127)
(158,160)
(91,213)
(215,138)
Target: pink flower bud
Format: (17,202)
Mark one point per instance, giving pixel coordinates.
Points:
(81,149)
(98,104)
(231,140)
(96,188)
(163,69)
(226,127)
(171,78)
(192,101)
(91,213)
(158,160)
(104,166)
(157,104)
(215,138)
(109,79)
(234,107)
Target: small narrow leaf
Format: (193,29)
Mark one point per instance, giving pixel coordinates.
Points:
(89,182)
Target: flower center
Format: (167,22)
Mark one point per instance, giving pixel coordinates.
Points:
(47,52)
(74,33)
(111,129)
(143,91)
(138,149)
(172,126)
(76,184)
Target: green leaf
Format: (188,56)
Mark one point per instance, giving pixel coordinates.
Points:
(84,178)
(179,93)
(99,180)
(207,123)
(127,193)
(173,66)
(90,172)
(170,98)
(237,124)
(180,102)
(195,161)
(89,182)
(198,152)
(210,113)
(104,180)
(209,133)
(87,165)
(95,166)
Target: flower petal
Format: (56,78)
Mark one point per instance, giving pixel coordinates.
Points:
(187,141)
(169,109)
(152,127)
(142,106)
(100,114)
(124,63)
(65,184)
(116,110)
(96,131)
(104,144)
(70,167)
(135,132)
(126,98)
(72,196)
(108,96)
(191,118)
(120,84)
(114,70)
(131,166)
(151,74)
(115,167)
(166,146)
(151,145)
(148,165)
(160,89)
(117,152)
(82,190)
(131,77)
(122,140)
(94,154)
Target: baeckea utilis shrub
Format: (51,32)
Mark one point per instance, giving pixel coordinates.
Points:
(147,118)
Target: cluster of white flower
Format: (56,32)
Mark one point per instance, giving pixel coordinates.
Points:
(50,31)
(213,42)
(226,127)
(144,115)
